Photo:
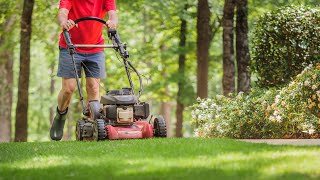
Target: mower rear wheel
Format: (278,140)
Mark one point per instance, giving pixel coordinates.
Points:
(160,129)
(94,110)
(79,130)
(99,133)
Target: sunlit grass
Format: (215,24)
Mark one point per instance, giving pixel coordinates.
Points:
(158,159)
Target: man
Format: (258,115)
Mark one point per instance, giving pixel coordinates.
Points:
(86,32)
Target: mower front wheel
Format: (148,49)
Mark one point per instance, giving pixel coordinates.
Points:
(79,130)
(159,125)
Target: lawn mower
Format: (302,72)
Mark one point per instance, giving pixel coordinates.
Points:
(119,114)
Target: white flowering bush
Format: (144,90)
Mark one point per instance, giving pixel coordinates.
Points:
(291,112)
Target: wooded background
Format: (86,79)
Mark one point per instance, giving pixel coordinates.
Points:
(184,49)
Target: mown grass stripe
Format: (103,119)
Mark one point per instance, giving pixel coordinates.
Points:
(188,158)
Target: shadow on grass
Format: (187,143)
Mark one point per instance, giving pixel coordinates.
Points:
(122,171)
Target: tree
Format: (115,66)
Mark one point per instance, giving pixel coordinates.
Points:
(203,45)
(228,51)
(6,74)
(242,46)
(182,78)
(21,127)
(6,69)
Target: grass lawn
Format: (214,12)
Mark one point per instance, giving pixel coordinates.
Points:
(158,159)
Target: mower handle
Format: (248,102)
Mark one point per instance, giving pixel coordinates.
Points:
(88,18)
(92,18)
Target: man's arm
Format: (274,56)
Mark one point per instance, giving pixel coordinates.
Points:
(112,19)
(64,22)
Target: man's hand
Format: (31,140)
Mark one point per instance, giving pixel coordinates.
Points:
(65,23)
(112,23)
(68,24)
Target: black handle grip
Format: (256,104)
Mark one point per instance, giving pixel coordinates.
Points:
(90,18)
(112,30)
(112,33)
(67,37)
(114,37)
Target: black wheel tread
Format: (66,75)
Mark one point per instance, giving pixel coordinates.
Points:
(160,127)
(102,134)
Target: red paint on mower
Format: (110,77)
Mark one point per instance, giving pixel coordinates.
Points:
(139,130)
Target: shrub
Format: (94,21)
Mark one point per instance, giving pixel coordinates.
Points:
(264,113)
(285,41)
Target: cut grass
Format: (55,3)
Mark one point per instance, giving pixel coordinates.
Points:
(158,159)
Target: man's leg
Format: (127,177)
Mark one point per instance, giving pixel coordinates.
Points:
(64,97)
(92,87)
(66,72)
(65,94)
(94,70)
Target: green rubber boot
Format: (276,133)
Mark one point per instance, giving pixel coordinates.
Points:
(56,131)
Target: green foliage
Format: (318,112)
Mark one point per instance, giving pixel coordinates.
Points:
(189,158)
(8,25)
(264,113)
(7,8)
(151,30)
(285,41)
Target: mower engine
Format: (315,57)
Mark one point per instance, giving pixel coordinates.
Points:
(124,116)
(120,107)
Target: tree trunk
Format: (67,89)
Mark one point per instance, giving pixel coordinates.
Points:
(182,60)
(6,77)
(179,117)
(21,127)
(228,51)
(6,80)
(242,47)
(203,45)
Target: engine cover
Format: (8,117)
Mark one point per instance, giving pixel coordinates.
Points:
(125,115)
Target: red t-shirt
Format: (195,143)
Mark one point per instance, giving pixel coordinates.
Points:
(88,32)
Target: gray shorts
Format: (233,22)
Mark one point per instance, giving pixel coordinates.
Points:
(92,63)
